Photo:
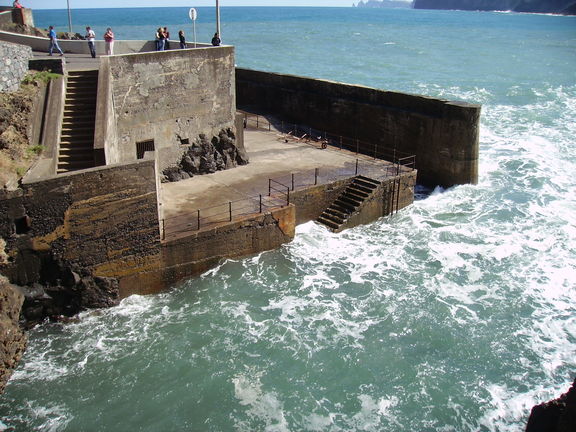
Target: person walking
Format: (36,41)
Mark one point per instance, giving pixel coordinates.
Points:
(109,39)
(91,38)
(216,40)
(182,39)
(53,41)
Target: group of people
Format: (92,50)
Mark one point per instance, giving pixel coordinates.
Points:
(162,39)
(90,36)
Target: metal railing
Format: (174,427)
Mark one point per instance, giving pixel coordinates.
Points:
(294,132)
(280,188)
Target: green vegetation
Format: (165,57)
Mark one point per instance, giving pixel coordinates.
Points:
(43,76)
(35,150)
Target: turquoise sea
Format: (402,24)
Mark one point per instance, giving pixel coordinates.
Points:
(456,314)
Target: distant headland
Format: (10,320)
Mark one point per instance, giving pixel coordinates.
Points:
(560,7)
(565,7)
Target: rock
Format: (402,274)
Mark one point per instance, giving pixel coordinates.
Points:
(12,337)
(558,415)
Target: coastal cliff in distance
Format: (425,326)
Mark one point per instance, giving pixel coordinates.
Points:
(384,4)
(562,7)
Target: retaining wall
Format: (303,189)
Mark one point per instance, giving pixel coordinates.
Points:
(13,66)
(168,97)
(442,134)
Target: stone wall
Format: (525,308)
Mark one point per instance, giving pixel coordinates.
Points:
(171,98)
(442,134)
(13,66)
(103,220)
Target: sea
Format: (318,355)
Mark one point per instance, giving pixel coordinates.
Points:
(457,313)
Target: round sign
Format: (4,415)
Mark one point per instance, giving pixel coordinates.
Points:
(193,14)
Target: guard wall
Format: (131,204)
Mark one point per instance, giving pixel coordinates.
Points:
(442,134)
(103,219)
(14,65)
(168,97)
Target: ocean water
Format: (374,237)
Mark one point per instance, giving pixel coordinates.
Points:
(456,314)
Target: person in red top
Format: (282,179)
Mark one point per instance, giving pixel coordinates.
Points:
(17,4)
(109,39)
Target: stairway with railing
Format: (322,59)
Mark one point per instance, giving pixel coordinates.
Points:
(77,136)
(348,203)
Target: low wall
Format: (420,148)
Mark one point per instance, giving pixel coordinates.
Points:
(198,252)
(14,65)
(81,46)
(442,134)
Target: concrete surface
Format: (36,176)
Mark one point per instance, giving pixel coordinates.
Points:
(270,158)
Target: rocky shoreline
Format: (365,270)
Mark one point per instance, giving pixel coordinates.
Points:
(558,415)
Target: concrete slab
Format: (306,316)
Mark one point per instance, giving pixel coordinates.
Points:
(74,62)
(271,157)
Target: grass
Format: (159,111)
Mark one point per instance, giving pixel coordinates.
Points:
(43,76)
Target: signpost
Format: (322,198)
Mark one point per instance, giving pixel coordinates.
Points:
(69,17)
(193,15)
(218,19)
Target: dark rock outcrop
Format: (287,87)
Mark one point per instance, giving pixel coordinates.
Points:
(565,7)
(65,291)
(12,337)
(205,157)
(558,415)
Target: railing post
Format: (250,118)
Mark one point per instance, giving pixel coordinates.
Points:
(230,209)
(198,219)
(257,122)
(260,203)
(356,172)
(315,176)
(287,196)
(269,186)
(163,229)
(292,181)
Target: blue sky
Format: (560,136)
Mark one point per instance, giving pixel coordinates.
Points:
(77,4)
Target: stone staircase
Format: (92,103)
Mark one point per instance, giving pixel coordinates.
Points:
(77,135)
(347,204)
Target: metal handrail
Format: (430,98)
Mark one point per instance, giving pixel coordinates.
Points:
(308,134)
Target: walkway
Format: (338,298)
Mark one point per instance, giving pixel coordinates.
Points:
(74,62)
(270,158)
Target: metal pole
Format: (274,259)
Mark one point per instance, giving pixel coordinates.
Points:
(198,218)
(218,19)
(356,173)
(315,176)
(260,203)
(230,209)
(269,186)
(292,181)
(194,33)
(69,17)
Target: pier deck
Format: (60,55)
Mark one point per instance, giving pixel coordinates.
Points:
(271,157)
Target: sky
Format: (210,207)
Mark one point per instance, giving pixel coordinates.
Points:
(82,4)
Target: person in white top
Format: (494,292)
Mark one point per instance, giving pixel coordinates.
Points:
(91,37)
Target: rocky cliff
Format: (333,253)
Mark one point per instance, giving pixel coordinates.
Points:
(558,415)
(566,7)
(12,338)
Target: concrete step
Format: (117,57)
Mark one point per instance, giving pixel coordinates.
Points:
(328,223)
(333,218)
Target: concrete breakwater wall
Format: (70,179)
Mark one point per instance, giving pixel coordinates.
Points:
(443,135)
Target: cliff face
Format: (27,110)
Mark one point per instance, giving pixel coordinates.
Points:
(567,7)
(558,415)
(12,338)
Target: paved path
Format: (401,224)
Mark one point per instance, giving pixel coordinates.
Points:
(270,158)
(74,62)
